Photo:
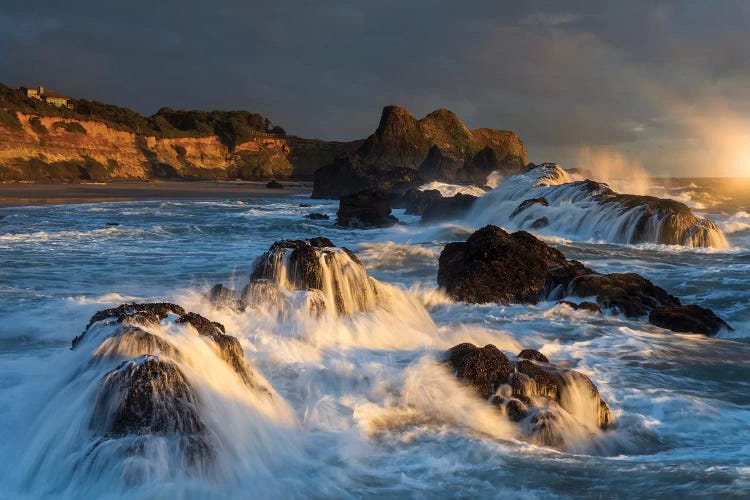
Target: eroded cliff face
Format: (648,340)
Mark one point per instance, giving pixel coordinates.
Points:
(55,149)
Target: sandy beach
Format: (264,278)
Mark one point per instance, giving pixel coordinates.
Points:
(45,194)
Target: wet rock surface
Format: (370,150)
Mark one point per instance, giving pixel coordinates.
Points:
(688,319)
(453,207)
(495,266)
(274,185)
(415,201)
(366,209)
(528,388)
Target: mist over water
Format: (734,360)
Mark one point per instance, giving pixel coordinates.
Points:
(361,405)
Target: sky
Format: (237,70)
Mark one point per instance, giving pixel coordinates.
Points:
(657,85)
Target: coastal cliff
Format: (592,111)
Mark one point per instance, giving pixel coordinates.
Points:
(92,141)
(56,149)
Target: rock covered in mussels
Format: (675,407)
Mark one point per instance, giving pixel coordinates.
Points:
(495,266)
(365,209)
(528,388)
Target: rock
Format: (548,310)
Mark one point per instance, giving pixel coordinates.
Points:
(148,395)
(528,389)
(398,140)
(482,368)
(540,223)
(274,185)
(627,293)
(221,296)
(583,306)
(542,201)
(688,319)
(133,313)
(305,271)
(304,205)
(366,209)
(533,355)
(494,266)
(441,166)
(415,201)
(202,325)
(348,175)
(316,216)
(454,207)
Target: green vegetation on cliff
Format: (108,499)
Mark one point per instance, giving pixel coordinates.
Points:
(231,127)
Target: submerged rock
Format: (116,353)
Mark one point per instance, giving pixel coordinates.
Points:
(366,209)
(495,266)
(528,203)
(529,388)
(316,216)
(274,185)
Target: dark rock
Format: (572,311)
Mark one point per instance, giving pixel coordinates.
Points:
(441,166)
(202,325)
(540,223)
(482,368)
(547,381)
(585,306)
(528,203)
(305,271)
(304,205)
(398,140)
(687,319)
(133,313)
(113,223)
(316,216)
(541,388)
(274,185)
(627,293)
(454,207)
(321,242)
(494,266)
(365,209)
(148,395)
(221,296)
(348,175)
(415,201)
(533,355)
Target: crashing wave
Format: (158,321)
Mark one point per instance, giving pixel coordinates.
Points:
(592,211)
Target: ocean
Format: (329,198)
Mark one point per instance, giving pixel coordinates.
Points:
(363,406)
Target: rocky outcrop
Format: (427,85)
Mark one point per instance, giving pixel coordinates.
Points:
(348,174)
(148,393)
(529,389)
(453,207)
(402,140)
(439,165)
(274,185)
(366,209)
(495,266)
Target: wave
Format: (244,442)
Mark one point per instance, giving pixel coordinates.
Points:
(449,190)
(545,200)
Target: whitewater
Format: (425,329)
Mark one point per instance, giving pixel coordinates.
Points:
(350,397)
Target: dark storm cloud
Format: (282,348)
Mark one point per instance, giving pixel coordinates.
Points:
(562,74)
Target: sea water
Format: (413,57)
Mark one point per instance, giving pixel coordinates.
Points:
(363,407)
